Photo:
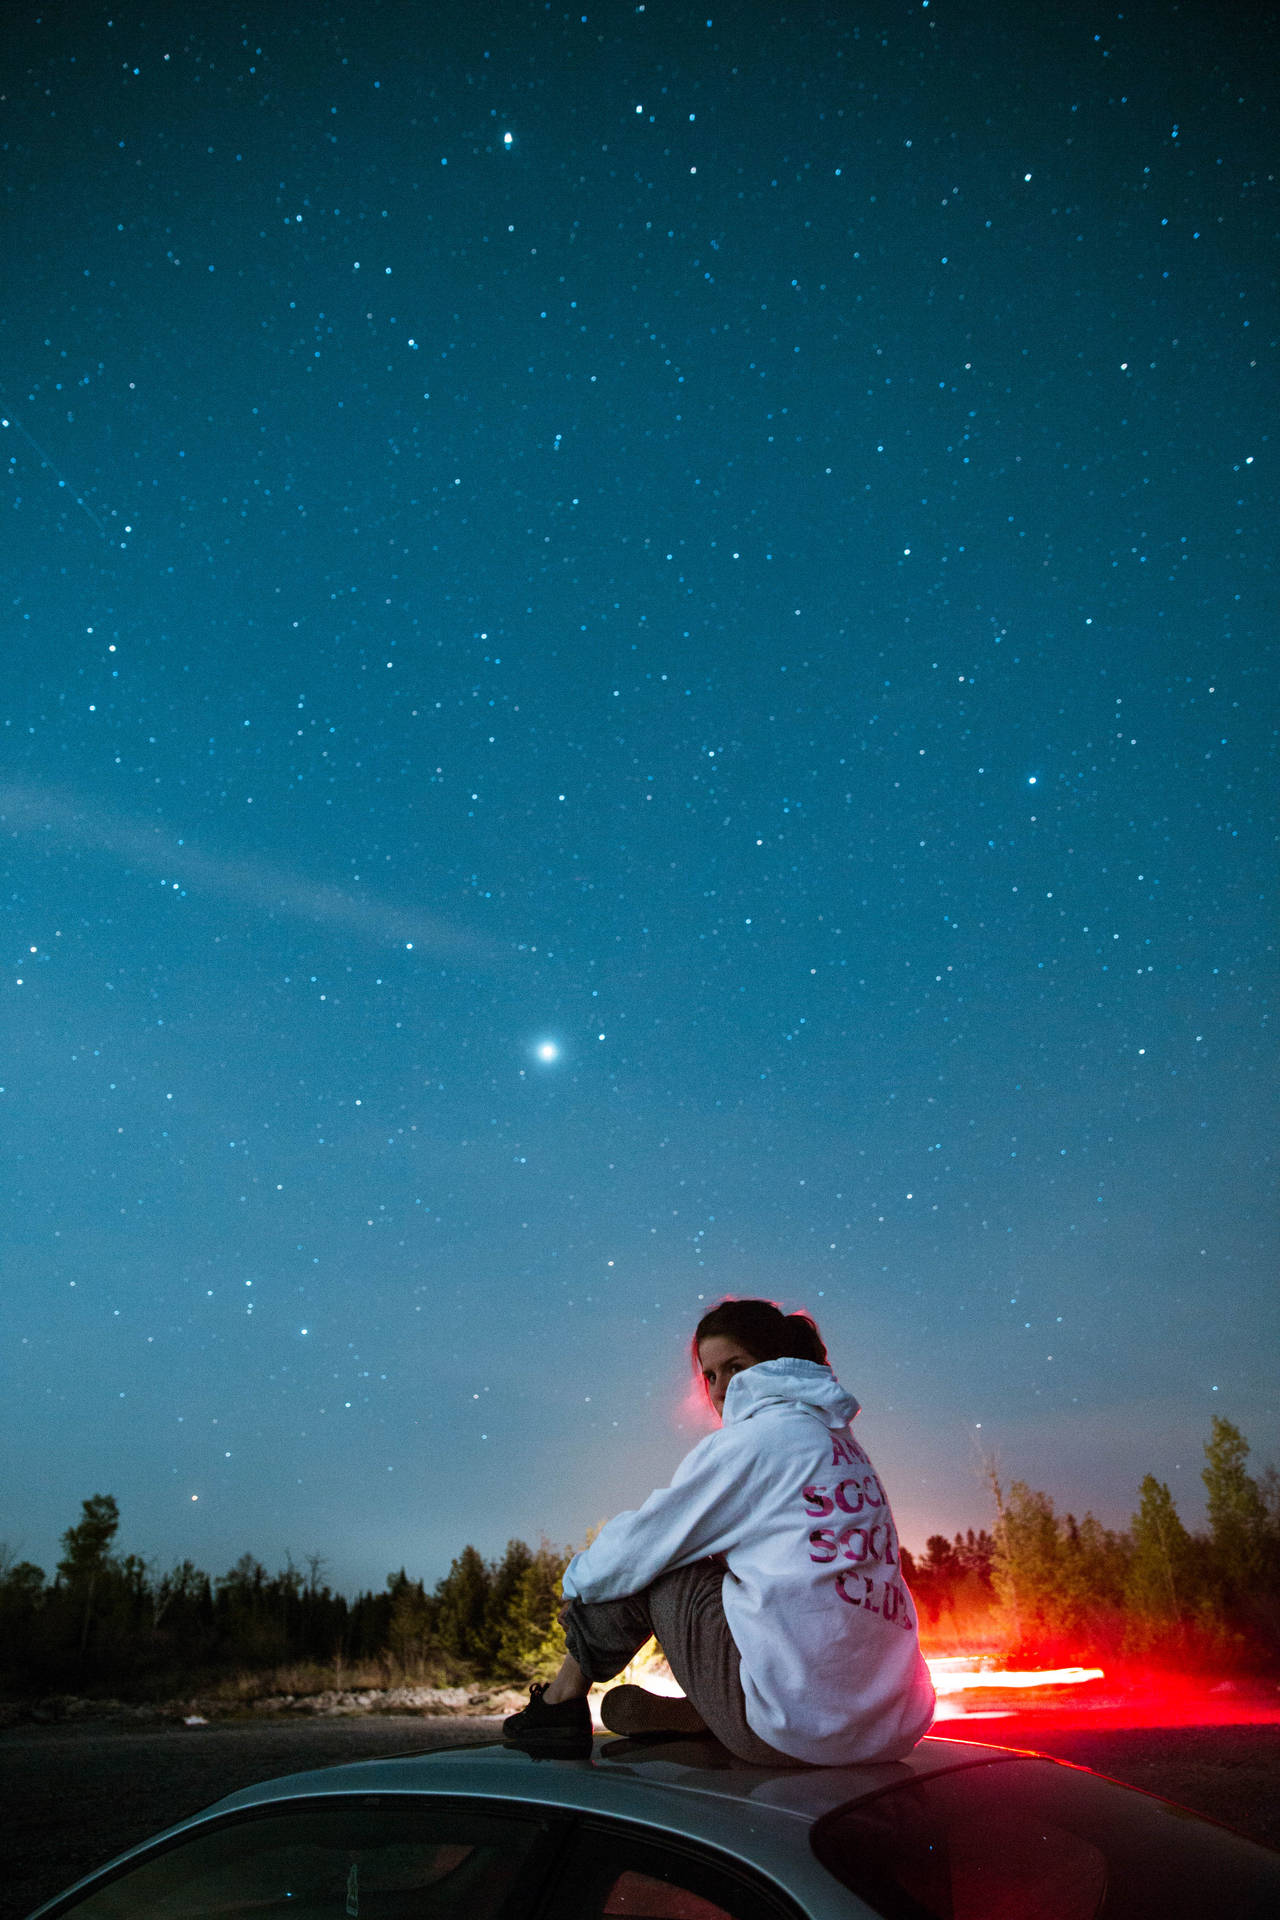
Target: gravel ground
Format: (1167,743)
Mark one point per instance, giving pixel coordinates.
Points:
(74,1796)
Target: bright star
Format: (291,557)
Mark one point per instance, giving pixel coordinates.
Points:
(547,1050)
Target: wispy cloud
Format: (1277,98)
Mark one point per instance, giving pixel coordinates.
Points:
(55,817)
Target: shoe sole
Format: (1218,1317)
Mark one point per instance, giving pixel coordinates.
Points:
(633,1711)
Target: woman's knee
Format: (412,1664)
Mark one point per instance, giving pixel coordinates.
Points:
(604,1635)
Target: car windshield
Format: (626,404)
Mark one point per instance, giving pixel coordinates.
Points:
(1032,1840)
(343,1859)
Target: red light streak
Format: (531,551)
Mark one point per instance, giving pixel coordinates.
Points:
(960,1675)
(974,1688)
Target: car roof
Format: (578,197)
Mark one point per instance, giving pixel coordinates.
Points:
(626,1779)
(691,1790)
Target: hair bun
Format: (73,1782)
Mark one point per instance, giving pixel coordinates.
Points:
(763,1330)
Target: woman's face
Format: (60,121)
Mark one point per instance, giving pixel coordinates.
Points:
(720,1358)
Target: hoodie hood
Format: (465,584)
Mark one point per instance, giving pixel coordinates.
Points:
(803,1383)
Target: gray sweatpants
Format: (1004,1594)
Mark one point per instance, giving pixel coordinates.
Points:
(685,1613)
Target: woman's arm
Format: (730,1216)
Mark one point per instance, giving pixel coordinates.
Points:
(702,1512)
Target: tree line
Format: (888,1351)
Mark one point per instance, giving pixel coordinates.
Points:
(109,1622)
(1048,1587)
(1037,1585)
(1155,1591)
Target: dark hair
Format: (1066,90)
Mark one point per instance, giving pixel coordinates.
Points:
(763,1330)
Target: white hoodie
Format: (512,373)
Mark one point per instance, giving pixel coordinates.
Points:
(813,1595)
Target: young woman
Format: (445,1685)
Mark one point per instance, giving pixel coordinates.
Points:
(768,1570)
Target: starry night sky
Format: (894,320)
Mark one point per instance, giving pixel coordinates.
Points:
(638,664)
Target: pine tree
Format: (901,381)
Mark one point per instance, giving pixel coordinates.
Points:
(461,1600)
(1026,1564)
(1238,1520)
(409,1636)
(505,1576)
(1160,1590)
(531,1645)
(86,1564)
(22,1601)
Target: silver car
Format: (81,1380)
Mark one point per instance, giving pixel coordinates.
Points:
(676,1830)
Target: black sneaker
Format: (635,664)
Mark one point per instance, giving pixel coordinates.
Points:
(562,1730)
(640,1715)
